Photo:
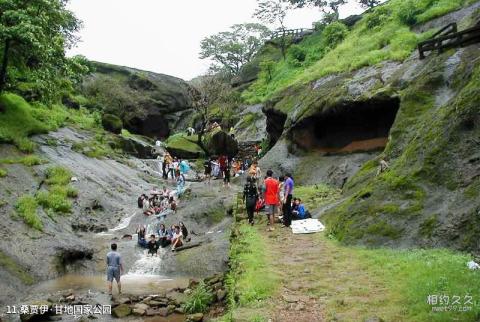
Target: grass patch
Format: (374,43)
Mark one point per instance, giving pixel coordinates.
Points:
(99,147)
(56,199)
(11,266)
(29,160)
(58,176)
(199,300)
(181,141)
(3,173)
(27,209)
(250,279)
(413,275)
(316,195)
(17,120)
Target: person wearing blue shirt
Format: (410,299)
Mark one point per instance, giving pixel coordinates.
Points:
(298,211)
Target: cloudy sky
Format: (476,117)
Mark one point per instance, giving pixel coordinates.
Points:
(164,35)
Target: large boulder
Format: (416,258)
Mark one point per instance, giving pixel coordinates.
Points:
(221,143)
(148,103)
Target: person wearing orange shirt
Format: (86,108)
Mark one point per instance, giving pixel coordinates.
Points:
(272,197)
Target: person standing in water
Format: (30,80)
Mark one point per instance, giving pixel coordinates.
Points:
(114,268)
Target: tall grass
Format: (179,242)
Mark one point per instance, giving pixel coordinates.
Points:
(199,300)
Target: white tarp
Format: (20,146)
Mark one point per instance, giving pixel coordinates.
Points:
(307,226)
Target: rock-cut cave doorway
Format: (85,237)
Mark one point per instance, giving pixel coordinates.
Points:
(347,128)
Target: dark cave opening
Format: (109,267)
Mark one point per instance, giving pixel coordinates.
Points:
(275,125)
(350,127)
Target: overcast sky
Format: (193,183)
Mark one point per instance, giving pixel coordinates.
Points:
(164,35)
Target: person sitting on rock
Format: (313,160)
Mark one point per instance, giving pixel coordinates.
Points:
(152,246)
(162,236)
(383,166)
(184,232)
(140,201)
(141,232)
(177,240)
(173,204)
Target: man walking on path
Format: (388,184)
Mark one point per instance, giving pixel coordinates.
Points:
(250,197)
(287,202)
(272,197)
(114,268)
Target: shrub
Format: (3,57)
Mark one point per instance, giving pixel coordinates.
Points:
(58,176)
(27,209)
(407,12)
(199,300)
(112,123)
(378,17)
(334,33)
(267,67)
(3,173)
(296,55)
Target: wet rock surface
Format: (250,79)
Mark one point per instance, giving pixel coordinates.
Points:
(106,204)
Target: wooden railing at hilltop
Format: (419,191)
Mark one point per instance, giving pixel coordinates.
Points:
(449,37)
(299,32)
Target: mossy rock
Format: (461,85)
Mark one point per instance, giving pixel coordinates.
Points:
(121,311)
(112,123)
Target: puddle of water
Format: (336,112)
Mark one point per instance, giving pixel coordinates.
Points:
(131,283)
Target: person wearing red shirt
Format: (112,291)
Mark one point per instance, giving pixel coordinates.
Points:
(272,197)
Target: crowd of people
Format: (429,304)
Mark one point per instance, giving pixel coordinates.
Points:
(275,195)
(174,169)
(225,168)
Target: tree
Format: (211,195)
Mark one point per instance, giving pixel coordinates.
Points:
(232,49)
(368,4)
(208,91)
(33,39)
(328,7)
(274,12)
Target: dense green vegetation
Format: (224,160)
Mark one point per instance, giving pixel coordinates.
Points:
(383,34)
(19,120)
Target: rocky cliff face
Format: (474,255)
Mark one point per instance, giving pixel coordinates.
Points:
(421,116)
(155,104)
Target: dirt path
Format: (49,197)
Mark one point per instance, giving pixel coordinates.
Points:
(321,281)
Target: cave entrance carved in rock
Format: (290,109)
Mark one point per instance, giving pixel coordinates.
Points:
(350,127)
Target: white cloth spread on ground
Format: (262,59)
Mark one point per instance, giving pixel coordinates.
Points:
(307,226)
(472,265)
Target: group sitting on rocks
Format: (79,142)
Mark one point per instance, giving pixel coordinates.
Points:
(175,236)
(160,203)
(276,196)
